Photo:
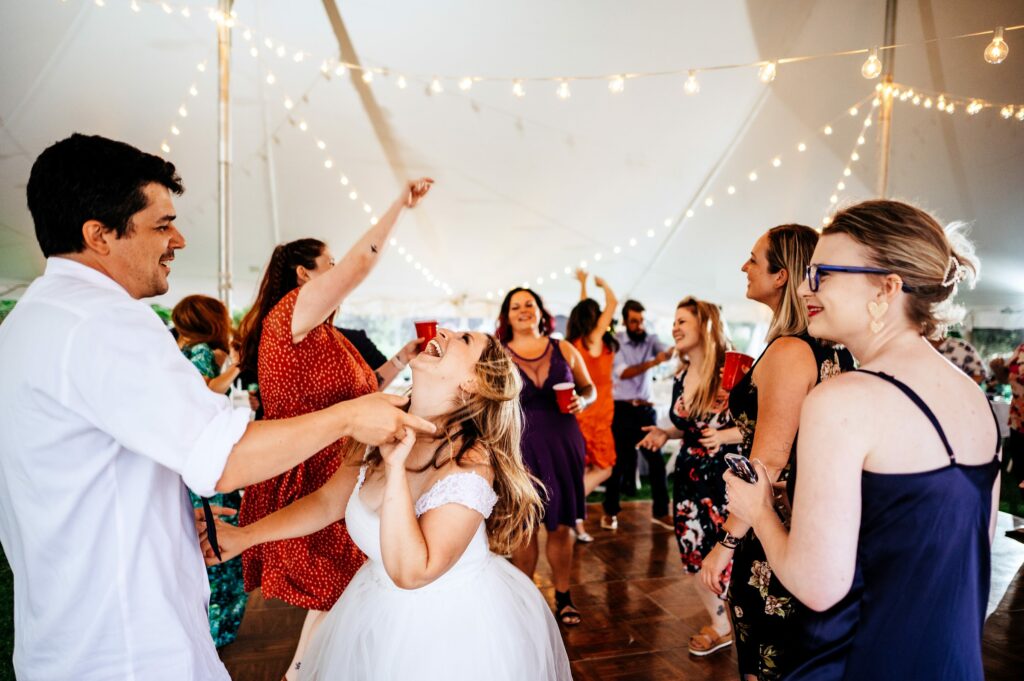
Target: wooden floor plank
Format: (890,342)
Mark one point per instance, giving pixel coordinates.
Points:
(639,610)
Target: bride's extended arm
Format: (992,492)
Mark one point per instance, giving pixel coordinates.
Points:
(309,514)
(415,551)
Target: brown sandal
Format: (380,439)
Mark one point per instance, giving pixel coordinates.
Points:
(709,641)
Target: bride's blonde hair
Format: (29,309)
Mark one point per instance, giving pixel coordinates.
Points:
(490,420)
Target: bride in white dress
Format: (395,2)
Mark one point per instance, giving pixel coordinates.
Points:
(433,601)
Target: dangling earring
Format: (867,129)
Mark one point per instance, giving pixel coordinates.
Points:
(877,311)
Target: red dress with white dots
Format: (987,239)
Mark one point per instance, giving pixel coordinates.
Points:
(308,572)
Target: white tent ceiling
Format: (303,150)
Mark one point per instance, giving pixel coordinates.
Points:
(525,186)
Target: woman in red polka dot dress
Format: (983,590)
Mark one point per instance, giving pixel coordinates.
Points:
(304,365)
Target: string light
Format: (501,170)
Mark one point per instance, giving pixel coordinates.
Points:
(617,85)
(517,89)
(872,67)
(767,72)
(827,130)
(752,176)
(691,86)
(367,77)
(401,83)
(563,90)
(436,87)
(801,147)
(997,50)
(466,84)
(776,162)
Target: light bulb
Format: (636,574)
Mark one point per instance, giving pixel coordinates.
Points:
(650,233)
(616,250)
(563,90)
(135,6)
(374,220)
(280,51)
(752,176)
(828,130)
(303,126)
(668,222)
(186,12)
(974,107)
(767,72)
(367,208)
(271,79)
(328,164)
(997,50)
(253,52)
(353,195)
(801,147)
(182,111)
(597,256)
(321,145)
(928,103)
(194,91)
(617,85)
(299,56)
(436,87)
(517,89)
(841,186)
(867,122)
(401,82)
(1020,114)
(465,83)
(861,140)
(632,242)
(709,202)
(175,130)
(876,102)
(916,100)
(1006,111)
(731,190)
(689,213)
(288,103)
(201,67)
(165,147)
(339,70)
(847,172)
(344,180)
(853,111)
(367,76)
(776,162)
(872,67)
(833,199)
(855,156)
(691,86)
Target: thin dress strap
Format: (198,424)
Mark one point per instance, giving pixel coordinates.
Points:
(920,405)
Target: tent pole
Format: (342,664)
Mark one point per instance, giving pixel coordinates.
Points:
(885,115)
(224,153)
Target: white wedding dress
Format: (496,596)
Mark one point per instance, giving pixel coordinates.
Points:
(483,619)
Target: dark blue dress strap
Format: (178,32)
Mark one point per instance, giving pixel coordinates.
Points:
(908,391)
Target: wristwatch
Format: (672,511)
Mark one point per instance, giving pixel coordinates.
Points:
(727,540)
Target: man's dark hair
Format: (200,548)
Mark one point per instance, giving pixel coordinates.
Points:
(631,306)
(88,177)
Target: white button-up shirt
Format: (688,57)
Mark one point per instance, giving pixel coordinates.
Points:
(101,421)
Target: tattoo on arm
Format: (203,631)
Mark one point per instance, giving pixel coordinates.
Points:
(721,610)
(373,247)
(380,379)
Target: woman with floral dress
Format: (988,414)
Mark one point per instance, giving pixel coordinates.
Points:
(700,419)
(766,407)
(204,336)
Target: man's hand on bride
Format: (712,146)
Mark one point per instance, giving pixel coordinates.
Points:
(396,452)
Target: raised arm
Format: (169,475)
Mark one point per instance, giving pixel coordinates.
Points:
(416,551)
(605,320)
(322,295)
(581,276)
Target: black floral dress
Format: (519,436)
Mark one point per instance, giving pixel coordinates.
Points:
(764,614)
(698,490)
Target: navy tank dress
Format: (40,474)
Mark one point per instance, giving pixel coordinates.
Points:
(916,607)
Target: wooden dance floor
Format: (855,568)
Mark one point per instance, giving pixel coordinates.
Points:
(639,612)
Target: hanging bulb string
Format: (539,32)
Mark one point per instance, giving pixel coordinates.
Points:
(249,33)
(840,186)
(900,92)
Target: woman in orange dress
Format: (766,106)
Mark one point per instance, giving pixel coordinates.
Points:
(588,331)
(304,364)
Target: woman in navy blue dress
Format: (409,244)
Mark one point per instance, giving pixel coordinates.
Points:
(890,538)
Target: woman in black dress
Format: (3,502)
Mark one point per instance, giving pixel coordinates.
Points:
(700,418)
(766,406)
(890,536)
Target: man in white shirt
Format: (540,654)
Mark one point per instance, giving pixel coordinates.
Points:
(102,424)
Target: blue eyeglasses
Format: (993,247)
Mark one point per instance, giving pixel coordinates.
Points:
(813,273)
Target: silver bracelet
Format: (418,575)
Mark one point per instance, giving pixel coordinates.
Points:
(398,362)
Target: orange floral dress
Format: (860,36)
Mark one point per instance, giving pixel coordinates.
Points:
(308,572)
(596,420)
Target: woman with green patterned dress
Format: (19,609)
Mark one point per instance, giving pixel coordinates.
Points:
(203,326)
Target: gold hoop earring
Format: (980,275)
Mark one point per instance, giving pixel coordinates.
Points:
(877,311)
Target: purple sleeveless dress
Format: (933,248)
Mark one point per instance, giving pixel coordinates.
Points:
(553,446)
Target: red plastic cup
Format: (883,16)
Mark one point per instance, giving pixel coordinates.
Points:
(426,329)
(564,392)
(736,366)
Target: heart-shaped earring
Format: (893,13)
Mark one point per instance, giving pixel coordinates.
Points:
(877,311)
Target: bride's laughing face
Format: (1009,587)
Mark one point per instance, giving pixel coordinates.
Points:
(448,362)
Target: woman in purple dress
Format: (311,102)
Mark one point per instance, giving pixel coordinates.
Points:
(553,446)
